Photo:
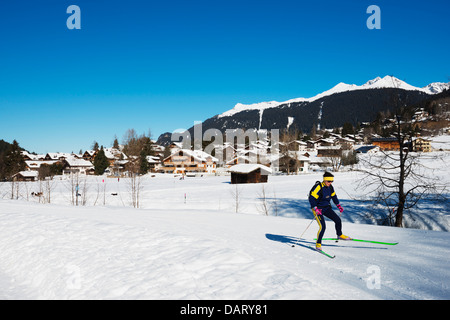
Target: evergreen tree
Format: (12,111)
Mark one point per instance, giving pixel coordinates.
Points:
(95,146)
(13,161)
(347,129)
(100,162)
(116,143)
(143,169)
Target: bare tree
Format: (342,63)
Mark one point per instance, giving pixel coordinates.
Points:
(236,196)
(100,186)
(398,180)
(263,206)
(15,186)
(275,203)
(335,161)
(134,181)
(74,187)
(49,185)
(84,191)
(135,187)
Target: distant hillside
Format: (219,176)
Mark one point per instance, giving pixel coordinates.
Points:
(341,104)
(330,112)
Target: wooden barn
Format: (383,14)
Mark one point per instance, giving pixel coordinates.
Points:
(387,144)
(26,176)
(249,173)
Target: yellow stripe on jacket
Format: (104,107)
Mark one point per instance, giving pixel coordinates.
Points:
(315,192)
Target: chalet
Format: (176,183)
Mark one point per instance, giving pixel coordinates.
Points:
(355,138)
(237,160)
(34,165)
(329,151)
(421,145)
(369,149)
(312,145)
(301,145)
(112,154)
(228,151)
(420,115)
(153,162)
(317,163)
(347,142)
(26,176)
(249,173)
(386,144)
(29,156)
(58,156)
(326,142)
(89,155)
(118,168)
(74,165)
(186,161)
(293,162)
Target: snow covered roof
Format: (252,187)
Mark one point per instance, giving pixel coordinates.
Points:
(110,153)
(329,148)
(242,158)
(28,174)
(198,155)
(248,167)
(153,159)
(113,153)
(32,156)
(58,155)
(33,164)
(74,162)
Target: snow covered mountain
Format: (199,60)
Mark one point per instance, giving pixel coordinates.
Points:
(344,103)
(377,83)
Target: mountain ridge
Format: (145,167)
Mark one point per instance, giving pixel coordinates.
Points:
(377,83)
(343,103)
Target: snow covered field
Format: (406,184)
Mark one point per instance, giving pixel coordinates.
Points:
(187,242)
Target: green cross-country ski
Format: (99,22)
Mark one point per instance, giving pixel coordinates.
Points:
(361,240)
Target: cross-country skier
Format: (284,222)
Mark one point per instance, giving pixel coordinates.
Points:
(319,198)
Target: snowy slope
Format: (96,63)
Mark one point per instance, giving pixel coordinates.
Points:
(60,252)
(377,83)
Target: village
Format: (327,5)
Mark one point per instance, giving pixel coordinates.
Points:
(249,162)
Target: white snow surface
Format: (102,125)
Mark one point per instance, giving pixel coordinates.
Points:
(187,242)
(377,83)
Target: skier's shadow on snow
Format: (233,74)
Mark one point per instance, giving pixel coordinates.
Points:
(290,240)
(308,243)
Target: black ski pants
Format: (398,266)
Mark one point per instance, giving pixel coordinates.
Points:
(329,213)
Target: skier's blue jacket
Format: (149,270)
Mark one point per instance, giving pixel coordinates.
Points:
(321,195)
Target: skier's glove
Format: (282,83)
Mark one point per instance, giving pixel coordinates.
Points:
(340,208)
(318,211)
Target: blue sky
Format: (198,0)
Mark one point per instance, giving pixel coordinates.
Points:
(161,65)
